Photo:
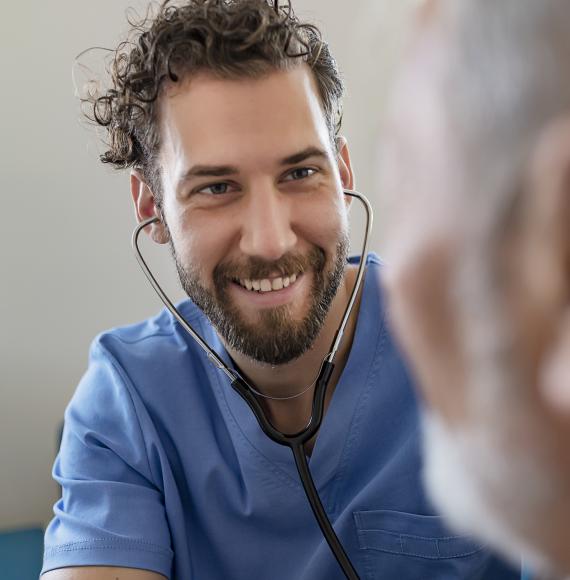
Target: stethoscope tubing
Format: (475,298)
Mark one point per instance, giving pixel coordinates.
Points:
(295,441)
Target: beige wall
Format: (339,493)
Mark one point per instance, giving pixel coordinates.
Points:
(66,266)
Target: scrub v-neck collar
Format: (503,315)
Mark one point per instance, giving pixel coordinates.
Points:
(334,437)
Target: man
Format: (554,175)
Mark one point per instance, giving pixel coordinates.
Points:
(227,112)
(479,133)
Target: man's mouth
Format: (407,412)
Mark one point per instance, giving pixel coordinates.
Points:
(267,284)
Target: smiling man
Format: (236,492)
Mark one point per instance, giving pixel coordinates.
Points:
(227,112)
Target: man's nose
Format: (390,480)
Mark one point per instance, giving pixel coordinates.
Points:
(266,225)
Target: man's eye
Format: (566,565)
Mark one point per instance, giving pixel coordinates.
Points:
(300,173)
(215,189)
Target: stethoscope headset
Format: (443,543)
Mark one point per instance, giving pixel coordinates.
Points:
(295,441)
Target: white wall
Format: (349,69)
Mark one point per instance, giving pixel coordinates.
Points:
(66,266)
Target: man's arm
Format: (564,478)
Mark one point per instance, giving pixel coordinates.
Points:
(111,521)
(101,573)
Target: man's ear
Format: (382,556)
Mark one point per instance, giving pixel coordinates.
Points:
(547,252)
(344,165)
(145,207)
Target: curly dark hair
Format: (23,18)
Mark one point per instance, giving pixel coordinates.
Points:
(228,38)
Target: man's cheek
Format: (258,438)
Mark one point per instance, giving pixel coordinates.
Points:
(424,317)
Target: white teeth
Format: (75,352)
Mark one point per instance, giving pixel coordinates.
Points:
(267,285)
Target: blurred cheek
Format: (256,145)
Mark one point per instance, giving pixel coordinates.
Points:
(421,203)
(424,316)
(422,254)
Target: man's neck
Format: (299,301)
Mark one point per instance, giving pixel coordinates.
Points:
(291,415)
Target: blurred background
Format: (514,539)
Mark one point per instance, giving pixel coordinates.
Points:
(67,269)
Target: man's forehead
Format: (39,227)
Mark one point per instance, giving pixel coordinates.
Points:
(216,120)
(284,92)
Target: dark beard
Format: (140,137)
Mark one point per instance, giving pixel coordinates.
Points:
(276,339)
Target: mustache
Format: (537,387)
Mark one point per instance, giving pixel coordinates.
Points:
(256,268)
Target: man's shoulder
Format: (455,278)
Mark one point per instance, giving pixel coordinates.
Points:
(371,286)
(159,337)
(372,259)
(145,359)
(159,327)
(372,302)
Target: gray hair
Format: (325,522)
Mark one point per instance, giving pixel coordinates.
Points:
(505,81)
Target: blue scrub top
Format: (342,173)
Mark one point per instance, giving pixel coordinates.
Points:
(163,467)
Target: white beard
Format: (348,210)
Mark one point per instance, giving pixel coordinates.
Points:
(468,481)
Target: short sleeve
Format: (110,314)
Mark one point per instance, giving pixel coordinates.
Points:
(111,512)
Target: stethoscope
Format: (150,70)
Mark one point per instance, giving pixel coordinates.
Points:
(294,441)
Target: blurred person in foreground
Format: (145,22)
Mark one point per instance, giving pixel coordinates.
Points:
(477,155)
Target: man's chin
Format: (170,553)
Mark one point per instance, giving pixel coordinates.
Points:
(456,473)
(272,339)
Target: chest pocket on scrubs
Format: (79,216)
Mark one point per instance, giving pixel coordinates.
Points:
(415,547)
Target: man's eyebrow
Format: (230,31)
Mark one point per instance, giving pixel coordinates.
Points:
(209,171)
(227,170)
(303,155)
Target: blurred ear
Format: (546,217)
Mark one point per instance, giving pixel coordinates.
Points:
(344,166)
(427,11)
(146,207)
(547,254)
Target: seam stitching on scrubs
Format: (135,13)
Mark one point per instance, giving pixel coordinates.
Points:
(425,556)
(192,316)
(122,544)
(414,536)
(367,543)
(137,340)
